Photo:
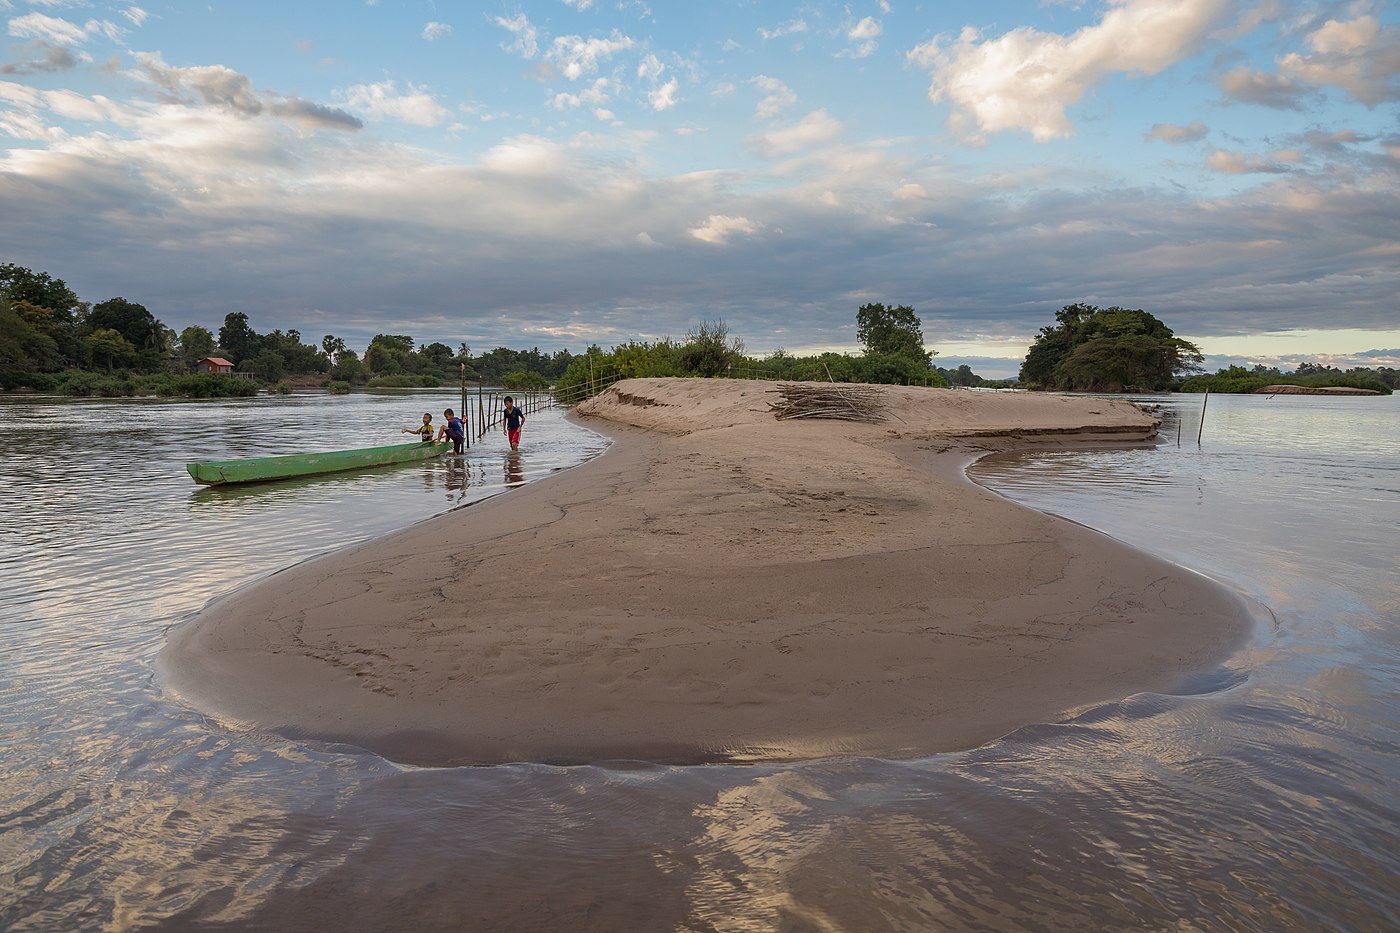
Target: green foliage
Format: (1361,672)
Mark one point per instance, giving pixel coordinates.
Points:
(107,349)
(1238,380)
(195,344)
(268,366)
(137,325)
(169,385)
(405,381)
(337,387)
(524,382)
(204,385)
(709,350)
(891,332)
(1092,349)
(39,289)
(239,340)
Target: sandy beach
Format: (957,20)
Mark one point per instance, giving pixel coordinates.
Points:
(721,585)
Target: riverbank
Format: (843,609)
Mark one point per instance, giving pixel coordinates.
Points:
(720,586)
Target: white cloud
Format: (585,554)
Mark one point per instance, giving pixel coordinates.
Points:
(598,93)
(790,28)
(719,228)
(911,191)
(526,35)
(1360,56)
(579,5)
(863,34)
(576,56)
(1025,79)
(434,31)
(651,67)
(815,128)
(382,101)
(136,15)
(1177,135)
(664,96)
(777,96)
(47,28)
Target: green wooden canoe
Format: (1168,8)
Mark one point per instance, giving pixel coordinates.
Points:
(260,469)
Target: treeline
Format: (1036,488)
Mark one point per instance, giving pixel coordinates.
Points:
(892,337)
(1091,349)
(1237,379)
(50,340)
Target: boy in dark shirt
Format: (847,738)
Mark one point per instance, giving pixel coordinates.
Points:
(513,419)
(454,430)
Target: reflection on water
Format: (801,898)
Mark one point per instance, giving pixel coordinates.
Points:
(1265,800)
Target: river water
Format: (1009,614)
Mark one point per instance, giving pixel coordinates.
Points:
(1262,798)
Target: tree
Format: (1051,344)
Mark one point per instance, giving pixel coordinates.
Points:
(892,331)
(333,346)
(387,354)
(1092,349)
(709,350)
(239,340)
(38,288)
(195,344)
(131,320)
(106,346)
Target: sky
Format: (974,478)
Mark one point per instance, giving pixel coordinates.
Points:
(558,173)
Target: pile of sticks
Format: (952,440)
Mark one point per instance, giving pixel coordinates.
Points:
(827,400)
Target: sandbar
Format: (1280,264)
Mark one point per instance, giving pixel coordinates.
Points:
(721,585)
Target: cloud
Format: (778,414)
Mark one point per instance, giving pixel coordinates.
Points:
(650,68)
(56,58)
(1237,163)
(598,93)
(1177,135)
(863,34)
(1360,56)
(312,114)
(434,31)
(576,56)
(382,101)
(48,29)
(718,229)
(663,97)
(216,85)
(791,28)
(777,96)
(580,5)
(1025,79)
(135,15)
(526,41)
(815,128)
(1262,88)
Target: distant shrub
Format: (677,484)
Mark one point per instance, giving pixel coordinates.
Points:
(283,388)
(405,381)
(200,385)
(337,387)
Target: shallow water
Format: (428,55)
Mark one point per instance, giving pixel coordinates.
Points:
(1265,799)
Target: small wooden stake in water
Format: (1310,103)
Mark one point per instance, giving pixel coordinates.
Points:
(1205,401)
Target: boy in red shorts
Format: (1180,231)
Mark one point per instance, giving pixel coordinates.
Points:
(513,419)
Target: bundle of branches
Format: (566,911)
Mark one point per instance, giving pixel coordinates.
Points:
(827,400)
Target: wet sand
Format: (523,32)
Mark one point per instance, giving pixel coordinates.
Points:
(721,586)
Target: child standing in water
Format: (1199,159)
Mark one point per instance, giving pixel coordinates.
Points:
(513,418)
(425,430)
